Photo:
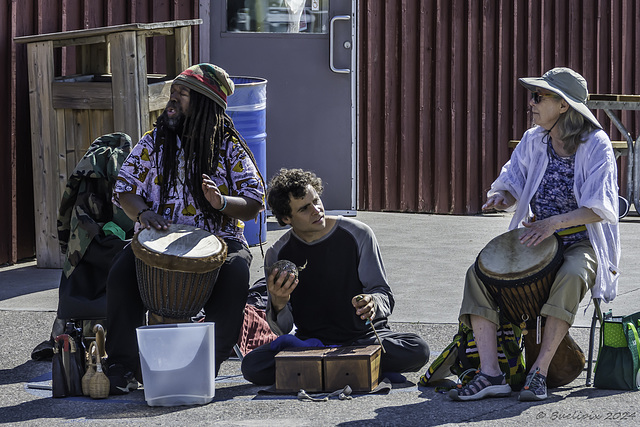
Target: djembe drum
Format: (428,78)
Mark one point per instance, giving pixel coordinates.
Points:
(176,270)
(519,279)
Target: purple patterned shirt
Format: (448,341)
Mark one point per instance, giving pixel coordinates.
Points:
(555,194)
(236,175)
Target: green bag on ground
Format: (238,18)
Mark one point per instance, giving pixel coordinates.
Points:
(618,364)
(461,357)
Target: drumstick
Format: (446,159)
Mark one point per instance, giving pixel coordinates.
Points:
(369,322)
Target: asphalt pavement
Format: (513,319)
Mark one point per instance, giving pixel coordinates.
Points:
(425,256)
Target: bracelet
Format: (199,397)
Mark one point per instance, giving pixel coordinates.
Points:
(224,203)
(141,212)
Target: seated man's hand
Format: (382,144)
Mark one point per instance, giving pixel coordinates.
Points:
(280,285)
(150,219)
(365,306)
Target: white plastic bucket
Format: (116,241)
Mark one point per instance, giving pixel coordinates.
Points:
(178,363)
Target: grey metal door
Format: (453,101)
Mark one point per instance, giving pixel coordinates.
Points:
(305,50)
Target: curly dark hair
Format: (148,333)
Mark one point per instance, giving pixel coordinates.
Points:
(292,182)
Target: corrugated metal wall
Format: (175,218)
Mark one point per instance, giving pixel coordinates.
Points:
(437,77)
(439,97)
(28,17)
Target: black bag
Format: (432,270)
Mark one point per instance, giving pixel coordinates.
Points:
(68,363)
(83,295)
(618,364)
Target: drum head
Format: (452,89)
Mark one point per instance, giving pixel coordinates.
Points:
(180,247)
(505,258)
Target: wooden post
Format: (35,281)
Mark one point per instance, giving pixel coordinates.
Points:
(44,160)
(143,86)
(181,54)
(126,83)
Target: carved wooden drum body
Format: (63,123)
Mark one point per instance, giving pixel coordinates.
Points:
(517,276)
(176,270)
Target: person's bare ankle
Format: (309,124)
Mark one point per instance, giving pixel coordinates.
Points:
(540,370)
(492,372)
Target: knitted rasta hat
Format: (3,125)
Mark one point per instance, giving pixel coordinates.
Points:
(209,80)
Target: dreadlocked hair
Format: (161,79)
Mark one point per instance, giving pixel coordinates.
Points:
(205,128)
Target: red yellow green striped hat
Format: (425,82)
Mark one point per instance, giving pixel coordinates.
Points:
(209,80)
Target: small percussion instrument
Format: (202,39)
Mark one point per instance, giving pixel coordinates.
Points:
(176,270)
(316,369)
(519,279)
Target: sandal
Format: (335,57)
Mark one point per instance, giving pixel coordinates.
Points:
(479,387)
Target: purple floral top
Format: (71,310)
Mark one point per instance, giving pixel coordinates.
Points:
(236,175)
(555,194)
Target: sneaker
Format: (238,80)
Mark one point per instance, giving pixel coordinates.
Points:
(481,386)
(121,381)
(535,387)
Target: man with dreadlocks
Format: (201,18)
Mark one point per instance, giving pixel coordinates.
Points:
(194,169)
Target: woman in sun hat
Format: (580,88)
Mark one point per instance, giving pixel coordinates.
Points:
(561,176)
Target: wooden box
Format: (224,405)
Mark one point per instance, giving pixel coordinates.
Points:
(300,368)
(358,367)
(328,369)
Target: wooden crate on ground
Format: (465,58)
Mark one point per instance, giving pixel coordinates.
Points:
(300,368)
(358,367)
(328,369)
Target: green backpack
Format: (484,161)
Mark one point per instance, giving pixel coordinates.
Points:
(461,358)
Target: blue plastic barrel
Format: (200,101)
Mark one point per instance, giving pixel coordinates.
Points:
(247,107)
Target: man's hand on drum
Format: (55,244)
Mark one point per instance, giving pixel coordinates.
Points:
(137,209)
(365,306)
(280,285)
(501,201)
(536,231)
(212,192)
(150,219)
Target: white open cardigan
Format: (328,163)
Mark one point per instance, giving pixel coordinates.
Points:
(595,187)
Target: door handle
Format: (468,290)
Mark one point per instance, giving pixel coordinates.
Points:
(331,41)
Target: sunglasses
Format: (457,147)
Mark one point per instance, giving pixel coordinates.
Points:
(537,96)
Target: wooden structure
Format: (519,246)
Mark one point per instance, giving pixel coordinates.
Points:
(610,103)
(112,92)
(328,369)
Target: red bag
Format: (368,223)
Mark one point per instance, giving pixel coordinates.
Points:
(255,329)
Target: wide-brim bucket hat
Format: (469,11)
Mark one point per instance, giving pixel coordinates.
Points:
(568,84)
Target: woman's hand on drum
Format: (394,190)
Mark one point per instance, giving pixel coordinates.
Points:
(280,287)
(536,231)
(501,200)
(212,192)
(365,306)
